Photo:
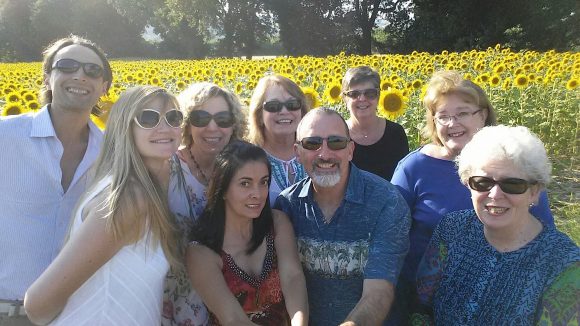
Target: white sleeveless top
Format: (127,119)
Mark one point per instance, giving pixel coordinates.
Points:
(127,290)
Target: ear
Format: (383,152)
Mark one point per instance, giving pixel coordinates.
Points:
(297,152)
(105,87)
(485,114)
(47,81)
(350,148)
(535,191)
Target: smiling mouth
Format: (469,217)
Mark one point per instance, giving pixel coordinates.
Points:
(456,134)
(494,210)
(253,206)
(284,121)
(212,140)
(77,91)
(162,141)
(324,165)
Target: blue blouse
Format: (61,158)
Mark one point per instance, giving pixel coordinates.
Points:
(463,280)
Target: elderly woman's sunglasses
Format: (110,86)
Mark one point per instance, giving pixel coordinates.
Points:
(201,118)
(276,106)
(314,143)
(514,186)
(68,66)
(149,119)
(371,93)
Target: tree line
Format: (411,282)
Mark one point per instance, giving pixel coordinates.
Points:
(226,28)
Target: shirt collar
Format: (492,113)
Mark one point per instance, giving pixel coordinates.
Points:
(354,188)
(42,125)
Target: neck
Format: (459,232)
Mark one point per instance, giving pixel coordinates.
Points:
(368,123)
(70,126)
(514,237)
(280,147)
(159,169)
(204,160)
(238,231)
(330,196)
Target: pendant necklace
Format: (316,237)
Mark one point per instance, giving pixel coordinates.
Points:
(200,171)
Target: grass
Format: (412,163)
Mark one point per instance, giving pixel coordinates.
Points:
(564,192)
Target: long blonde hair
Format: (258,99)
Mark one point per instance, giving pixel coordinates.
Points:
(131,181)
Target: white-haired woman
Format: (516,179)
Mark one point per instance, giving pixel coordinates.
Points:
(213,119)
(498,264)
(111,269)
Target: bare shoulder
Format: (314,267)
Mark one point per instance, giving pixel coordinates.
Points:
(199,253)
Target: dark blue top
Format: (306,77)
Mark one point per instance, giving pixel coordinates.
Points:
(463,280)
(367,238)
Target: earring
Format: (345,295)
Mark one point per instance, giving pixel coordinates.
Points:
(532,204)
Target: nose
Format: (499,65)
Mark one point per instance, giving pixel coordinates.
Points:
(212,125)
(79,74)
(324,151)
(495,192)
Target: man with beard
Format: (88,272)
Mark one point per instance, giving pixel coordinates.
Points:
(352,226)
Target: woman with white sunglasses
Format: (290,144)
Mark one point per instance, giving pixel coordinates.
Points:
(277,106)
(121,242)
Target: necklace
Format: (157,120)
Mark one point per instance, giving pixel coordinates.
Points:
(200,173)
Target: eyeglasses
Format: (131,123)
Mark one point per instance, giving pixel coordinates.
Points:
(201,118)
(445,120)
(371,93)
(276,106)
(314,143)
(150,119)
(512,186)
(68,66)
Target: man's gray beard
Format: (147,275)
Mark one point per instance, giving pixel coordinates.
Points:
(326,180)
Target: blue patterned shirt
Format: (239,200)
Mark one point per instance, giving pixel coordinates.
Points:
(463,280)
(367,238)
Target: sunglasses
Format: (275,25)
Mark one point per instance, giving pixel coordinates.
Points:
(68,66)
(512,186)
(314,143)
(149,119)
(276,106)
(371,93)
(201,118)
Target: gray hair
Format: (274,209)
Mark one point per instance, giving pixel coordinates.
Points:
(515,144)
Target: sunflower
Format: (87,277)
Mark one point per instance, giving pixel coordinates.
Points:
(521,81)
(494,80)
(311,96)
(332,93)
(12,97)
(386,84)
(13,109)
(32,105)
(572,84)
(417,83)
(392,104)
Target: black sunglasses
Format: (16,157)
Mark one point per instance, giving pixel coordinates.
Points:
(68,66)
(314,143)
(149,119)
(371,93)
(514,186)
(276,106)
(201,118)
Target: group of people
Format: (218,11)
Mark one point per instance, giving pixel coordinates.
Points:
(188,212)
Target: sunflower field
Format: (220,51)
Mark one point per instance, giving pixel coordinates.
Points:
(539,90)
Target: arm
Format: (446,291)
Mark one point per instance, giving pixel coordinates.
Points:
(560,303)
(204,269)
(290,269)
(374,304)
(87,250)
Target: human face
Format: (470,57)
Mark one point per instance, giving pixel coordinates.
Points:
(75,92)
(455,135)
(156,145)
(361,107)
(325,166)
(283,123)
(211,139)
(247,192)
(496,209)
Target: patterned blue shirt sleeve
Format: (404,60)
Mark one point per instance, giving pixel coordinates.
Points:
(389,242)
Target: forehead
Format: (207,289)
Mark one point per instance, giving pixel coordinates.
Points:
(323,125)
(79,53)
(454,102)
(276,91)
(362,85)
(158,103)
(252,169)
(215,104)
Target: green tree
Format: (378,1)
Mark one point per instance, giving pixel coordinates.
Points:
(17,41)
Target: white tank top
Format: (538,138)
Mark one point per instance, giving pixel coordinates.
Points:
(127,290)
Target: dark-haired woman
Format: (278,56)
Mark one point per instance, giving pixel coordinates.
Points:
(251,273)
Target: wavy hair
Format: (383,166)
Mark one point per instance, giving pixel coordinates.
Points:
(131,181)
(197,94)
(452,82)
(256,129)
(210,228)
(48,60)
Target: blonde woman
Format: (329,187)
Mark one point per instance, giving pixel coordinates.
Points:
(121,242)
(213,118)
(276,108)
